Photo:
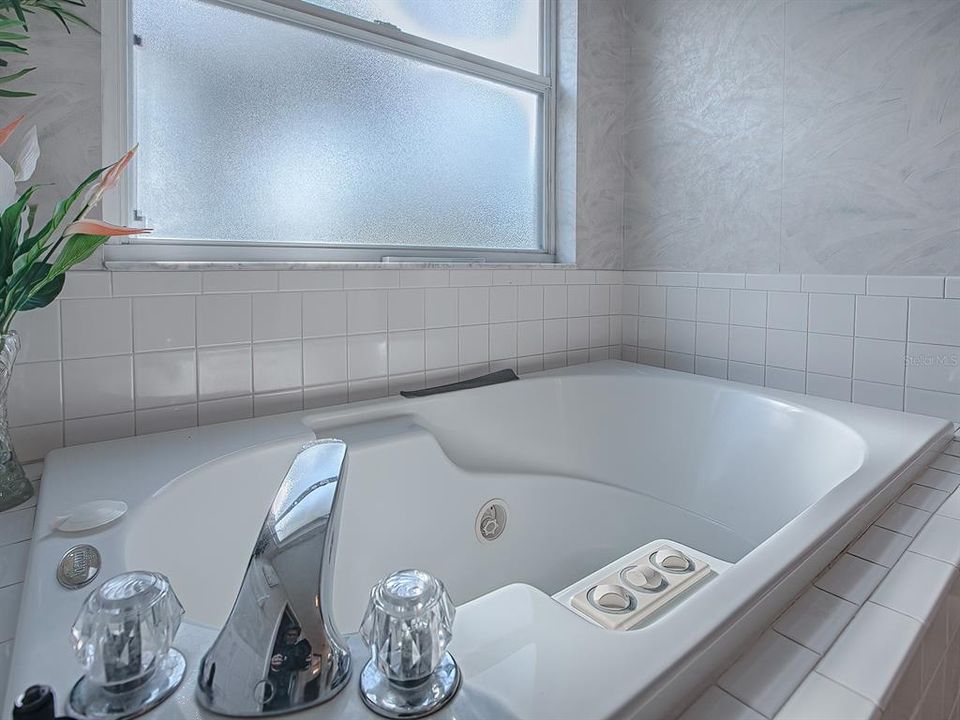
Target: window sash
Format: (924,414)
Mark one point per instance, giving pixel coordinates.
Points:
(120,123)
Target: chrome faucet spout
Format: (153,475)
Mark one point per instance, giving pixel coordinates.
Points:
(279,650)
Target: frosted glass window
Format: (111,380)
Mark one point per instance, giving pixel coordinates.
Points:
(504,30)
(253,129)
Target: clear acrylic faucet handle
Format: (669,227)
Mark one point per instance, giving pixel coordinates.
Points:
(125,629)
(408,625)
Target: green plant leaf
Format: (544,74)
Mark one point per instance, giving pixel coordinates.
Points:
(16,75)
(63,207)
(43,294)
(76,249)
(15,93)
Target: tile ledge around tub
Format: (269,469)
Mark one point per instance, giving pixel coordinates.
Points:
(212,265)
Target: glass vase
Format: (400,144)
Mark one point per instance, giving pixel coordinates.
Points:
(15,488)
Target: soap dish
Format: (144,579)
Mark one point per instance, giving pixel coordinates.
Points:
(90,516)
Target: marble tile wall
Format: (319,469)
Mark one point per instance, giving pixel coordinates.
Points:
(816,136)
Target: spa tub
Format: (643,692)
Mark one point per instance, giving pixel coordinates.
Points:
(590,462)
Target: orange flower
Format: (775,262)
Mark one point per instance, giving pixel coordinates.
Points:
(99,227)
(110,177)
(6,132)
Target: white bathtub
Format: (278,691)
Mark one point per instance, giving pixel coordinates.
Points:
(592,462)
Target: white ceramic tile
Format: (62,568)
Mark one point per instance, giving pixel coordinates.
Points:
(33,442)
(881,318)
(581,277)
(324,313)
(554,336)
(784,379)
(474,305)
(277,366)
(512,277)
(679,361)
(425,278)
(578,333)
(747,344)
(276,316)
(880,546)
(933,367)
(901,588)
(406,352)
(711,367)
(713,305)
(366,356)
(905,285)
(97,386)
(939,539)
(787,310)
(748,307)
(820,698)
(640,277)
(325,361)
(847,284)
(299,280)
(681,336)
(681,303)
(870,654)
(712,340)
(656,358)
(768,673)
(682,279)
(164,322)
(951,506)
(773,281)
(934,321)
(406,382)
(830,354)
(651,333)
(816,619)
(953,447)
(468,372)
(162,419)
(787,349)
(939,479)
(226,409)
(35,394)
(879,361)
(96,327)
(223,319)
(225,371)
(233,281)
(162,282)
(554,301)
(165,378)
(9,607)
(947,463)
(530,364)
(932,402)
(530,338)
(547,276)
(370,389)
(327,395)
(952,287)
(630,328)
(715,704)
(530,302)
(39,334)
(923,498)
(615,330)
(441,307)
(442,348)
(17,525)
(99,428)
(13,563)
(828,386)
(474,344)
(85,284)
(366,311)
(903,519)
(831,314)
(503,303)
(599,300)
(371,279)
(851,578)
(745,373)
(722,280)
(599,332)
(878,394)
(652,301)
(274,403)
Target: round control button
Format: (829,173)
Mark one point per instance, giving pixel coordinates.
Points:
(611,598)
(671,560)
(643,577)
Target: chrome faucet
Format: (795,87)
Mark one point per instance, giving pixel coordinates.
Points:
(279,650)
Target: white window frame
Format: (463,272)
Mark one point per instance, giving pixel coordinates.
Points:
(119,122)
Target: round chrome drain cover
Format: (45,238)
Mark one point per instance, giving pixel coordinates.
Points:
(491,520)
(78,567)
